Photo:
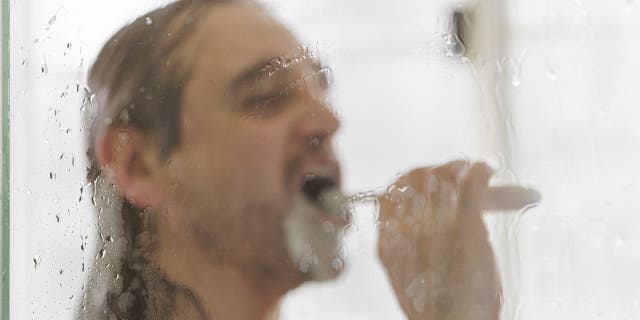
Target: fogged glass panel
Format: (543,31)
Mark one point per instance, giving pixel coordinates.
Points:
(576,136)
(209,161)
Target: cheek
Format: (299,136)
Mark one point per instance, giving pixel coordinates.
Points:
(238,163)
(261,148)
(262,157)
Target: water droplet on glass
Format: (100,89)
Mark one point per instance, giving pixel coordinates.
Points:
(337,264)
(36,261)
(551,71)
(314,142)
(551,74)
(453,46)
(53,19)
(148,21)
(124,116)
(512,68)
(328,227)
(602,111)
(619,241)
(515,80)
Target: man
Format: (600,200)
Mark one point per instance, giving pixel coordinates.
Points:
(211,123)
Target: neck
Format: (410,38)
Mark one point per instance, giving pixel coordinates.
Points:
(214,289)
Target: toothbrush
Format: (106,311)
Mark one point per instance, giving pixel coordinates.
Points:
(498,198)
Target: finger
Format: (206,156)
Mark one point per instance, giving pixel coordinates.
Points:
(406,200)
(433,179)
(442,196)
(460,169)
(474,186)
(392,212)
(391,198)
(449,172)
(509,198)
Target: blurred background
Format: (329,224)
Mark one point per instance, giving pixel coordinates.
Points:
(546,91)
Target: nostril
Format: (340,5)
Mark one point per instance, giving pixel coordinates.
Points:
(314,142)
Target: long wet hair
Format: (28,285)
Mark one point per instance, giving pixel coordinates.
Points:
(137,80)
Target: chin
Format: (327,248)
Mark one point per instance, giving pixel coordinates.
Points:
(312,245)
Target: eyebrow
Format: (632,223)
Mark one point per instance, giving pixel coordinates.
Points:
(271,67)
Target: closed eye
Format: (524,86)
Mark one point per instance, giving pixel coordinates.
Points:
(266,104)
(270,103)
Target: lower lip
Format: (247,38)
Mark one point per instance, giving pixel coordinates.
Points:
(319,216)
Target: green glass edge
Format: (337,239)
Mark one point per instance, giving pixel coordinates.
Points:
(5,159)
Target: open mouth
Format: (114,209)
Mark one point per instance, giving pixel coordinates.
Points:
(314,185)
(323,192)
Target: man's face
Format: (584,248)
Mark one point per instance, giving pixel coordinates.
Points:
(254,125)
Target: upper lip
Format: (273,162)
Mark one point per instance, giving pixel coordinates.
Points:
(321,165)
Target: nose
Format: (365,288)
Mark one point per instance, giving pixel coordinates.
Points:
(316,124)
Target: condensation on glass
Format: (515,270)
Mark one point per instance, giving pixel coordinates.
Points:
(543,90)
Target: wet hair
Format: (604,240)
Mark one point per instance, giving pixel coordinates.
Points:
(137,80)
(138,77)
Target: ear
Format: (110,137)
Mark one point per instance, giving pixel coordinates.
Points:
(131,160)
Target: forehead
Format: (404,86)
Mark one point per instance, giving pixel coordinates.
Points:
(233,37)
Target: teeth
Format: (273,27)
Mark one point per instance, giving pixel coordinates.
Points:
(332,200)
